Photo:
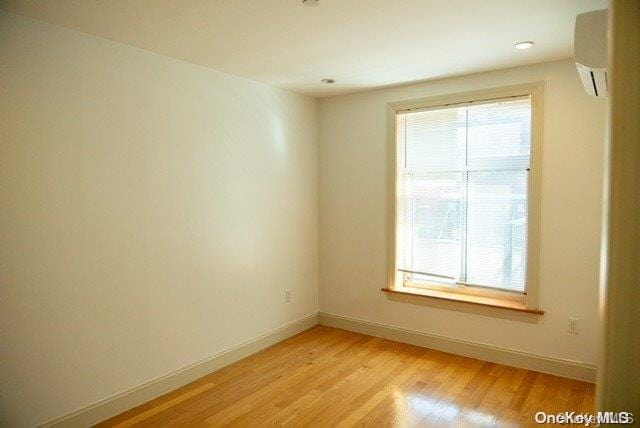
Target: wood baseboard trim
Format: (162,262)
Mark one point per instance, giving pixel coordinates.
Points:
(510,357)
(119,403)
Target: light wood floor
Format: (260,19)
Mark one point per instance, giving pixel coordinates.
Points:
(326,377)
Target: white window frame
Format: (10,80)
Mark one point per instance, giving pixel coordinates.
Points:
(530,298)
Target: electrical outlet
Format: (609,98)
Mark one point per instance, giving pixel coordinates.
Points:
(574,325)
(287,295)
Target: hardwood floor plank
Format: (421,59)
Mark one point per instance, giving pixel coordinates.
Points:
(329,377)
(167,405)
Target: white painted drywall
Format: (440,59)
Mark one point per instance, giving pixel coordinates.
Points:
(152,214)
(352,208)
(359,43)
(618,385)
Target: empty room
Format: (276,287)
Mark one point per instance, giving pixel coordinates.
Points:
(410,213)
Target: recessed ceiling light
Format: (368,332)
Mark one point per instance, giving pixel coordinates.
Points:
(328,81)
(310,2)
(523,45)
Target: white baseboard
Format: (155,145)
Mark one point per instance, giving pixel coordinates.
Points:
(119,403)
(494,354)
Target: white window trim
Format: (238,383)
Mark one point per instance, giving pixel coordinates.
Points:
(536,91)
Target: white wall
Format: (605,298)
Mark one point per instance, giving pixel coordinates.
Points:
(352,207)
(618,386)
(152,213)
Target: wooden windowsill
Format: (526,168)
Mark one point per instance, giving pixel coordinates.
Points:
(465,298)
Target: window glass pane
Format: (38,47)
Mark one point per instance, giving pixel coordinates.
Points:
(500,134)
(497,228)
(429,223)
(435,140)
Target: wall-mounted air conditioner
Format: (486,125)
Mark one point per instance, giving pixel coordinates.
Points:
(590,50)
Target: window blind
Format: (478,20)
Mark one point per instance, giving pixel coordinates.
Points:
(462,189)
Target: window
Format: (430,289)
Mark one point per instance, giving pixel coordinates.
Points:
(466,194)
